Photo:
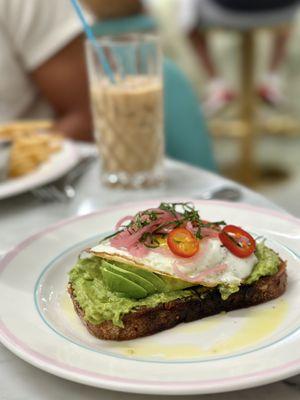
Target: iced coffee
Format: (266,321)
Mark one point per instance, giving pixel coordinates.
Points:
(129,128)
(125,74)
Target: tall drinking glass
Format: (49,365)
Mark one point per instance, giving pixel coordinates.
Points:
(128,109)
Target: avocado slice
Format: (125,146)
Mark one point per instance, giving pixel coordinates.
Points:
(162,283)
(132,276)
(151,277)
(117,283)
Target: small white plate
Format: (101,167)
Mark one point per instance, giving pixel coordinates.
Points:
(58,164)
(237,350)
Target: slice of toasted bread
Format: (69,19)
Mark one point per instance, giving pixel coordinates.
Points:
(147,321)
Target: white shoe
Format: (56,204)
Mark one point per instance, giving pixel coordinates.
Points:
(270,90)
(218,96)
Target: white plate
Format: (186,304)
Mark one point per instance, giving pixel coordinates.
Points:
(230,351)
(58,164)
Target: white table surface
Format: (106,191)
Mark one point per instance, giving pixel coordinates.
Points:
(24,215)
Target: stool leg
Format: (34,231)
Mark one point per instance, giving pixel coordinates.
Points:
(247,105)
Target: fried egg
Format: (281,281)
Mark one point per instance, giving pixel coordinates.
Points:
(162,261)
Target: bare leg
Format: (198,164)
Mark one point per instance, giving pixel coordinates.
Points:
(280,41)
(218,93)
(270,89)
(199,43)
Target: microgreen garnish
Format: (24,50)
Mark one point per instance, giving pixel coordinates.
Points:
(110,236)
(180,215)
(149,240)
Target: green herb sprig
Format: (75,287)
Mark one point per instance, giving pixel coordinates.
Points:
(182,213)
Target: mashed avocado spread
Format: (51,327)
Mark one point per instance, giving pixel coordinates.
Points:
(92,282)
(100,304)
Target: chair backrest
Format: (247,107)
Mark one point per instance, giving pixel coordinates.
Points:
(120,26)
(187,137)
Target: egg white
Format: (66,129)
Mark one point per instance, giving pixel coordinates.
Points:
(212,255)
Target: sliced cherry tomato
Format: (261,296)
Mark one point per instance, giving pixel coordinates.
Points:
(238,242)
(182,242)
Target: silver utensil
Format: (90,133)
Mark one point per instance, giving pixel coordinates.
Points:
(63,189)
(228,193)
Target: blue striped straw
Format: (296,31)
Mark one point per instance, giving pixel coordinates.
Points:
(91,37)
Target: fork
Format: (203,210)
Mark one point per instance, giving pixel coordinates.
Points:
(63,189)
(229,193)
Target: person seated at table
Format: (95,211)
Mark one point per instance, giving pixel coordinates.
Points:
(239,14)
(42,65)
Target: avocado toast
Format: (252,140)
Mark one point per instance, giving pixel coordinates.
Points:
(165,266)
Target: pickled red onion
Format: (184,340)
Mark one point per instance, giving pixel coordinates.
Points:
(139,250)
(130,238)
(128,218)
(189,226)
(209,232)
(205,231)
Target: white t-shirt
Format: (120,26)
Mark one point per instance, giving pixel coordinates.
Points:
(31,32)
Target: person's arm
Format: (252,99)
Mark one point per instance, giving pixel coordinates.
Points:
(104,9)
(62,80)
